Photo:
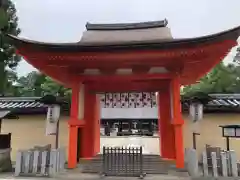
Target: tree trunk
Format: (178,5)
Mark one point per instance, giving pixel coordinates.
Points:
(2,77)
(2,67)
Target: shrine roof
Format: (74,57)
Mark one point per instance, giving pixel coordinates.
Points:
(144,44)
(125,33)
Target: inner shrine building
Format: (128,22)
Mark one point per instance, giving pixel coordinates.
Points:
(132,57)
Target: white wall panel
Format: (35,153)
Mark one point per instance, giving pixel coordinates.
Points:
(131,113)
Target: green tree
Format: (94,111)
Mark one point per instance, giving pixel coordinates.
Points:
(221,79)
(38,84)
(12,90)
(31,84)
(8,59)
(51,87)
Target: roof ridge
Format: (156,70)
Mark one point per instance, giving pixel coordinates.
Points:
(126,26)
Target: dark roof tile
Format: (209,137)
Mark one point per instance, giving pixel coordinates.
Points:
(20,103)
(127,26)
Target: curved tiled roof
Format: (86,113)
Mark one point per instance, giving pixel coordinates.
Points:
(219,103)
(231,34)
(20,103)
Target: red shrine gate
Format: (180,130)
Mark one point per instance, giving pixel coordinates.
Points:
(126,58)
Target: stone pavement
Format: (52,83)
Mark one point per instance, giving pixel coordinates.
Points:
(71,175)
(96,177)
(80,176)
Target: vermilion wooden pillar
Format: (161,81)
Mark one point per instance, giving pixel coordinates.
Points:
(73,127)
(177,121)
(91,130)
(166,129)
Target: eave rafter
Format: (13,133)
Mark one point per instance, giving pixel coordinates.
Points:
(195,69)
(140,69)
(128,56)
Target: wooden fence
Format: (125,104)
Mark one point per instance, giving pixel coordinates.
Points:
(36,162)
(225,164)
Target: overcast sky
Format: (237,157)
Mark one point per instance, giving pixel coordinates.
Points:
(64,20)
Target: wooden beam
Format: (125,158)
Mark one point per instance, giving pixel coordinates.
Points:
(146,86)
(109,63)
(108,70)
(126,78)
(140,69)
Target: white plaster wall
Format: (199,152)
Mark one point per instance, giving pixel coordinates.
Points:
(150,144)
(131,113)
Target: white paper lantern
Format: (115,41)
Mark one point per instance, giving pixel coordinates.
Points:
(53,115)
(196,111)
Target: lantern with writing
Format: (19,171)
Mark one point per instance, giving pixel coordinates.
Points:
(196,114)
(53,115)
(196,111)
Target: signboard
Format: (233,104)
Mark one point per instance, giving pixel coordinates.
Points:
(229,132)
(237,132)
(196,111)
(232,131)
(53,115)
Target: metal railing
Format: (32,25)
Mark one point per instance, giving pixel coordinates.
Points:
(120,161)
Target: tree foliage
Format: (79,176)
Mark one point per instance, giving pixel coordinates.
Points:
(38,84)
(52,87)
(8,59)
(221,79)
(31,84)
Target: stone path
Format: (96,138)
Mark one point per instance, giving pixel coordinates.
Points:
(71,175)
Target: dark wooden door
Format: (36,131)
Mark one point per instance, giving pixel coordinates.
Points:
(79,144)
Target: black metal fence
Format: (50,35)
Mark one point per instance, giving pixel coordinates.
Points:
(123,161)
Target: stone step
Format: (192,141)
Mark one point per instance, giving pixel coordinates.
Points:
(144,166)
(152,158)
(152,164)
(144,161)
(148,170)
